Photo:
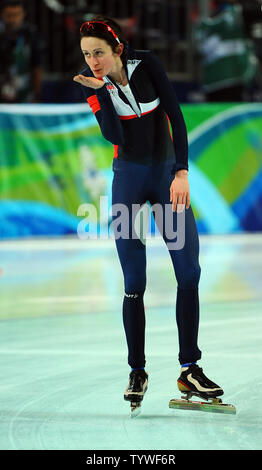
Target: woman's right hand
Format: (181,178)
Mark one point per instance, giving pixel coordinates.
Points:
(90,82)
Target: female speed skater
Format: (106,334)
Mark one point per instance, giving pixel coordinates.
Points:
(134,104)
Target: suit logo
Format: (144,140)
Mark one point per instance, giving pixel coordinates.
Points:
(110,87)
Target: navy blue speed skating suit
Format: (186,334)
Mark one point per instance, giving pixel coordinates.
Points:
(136,119)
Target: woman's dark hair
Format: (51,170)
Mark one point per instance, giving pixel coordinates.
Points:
(106,35)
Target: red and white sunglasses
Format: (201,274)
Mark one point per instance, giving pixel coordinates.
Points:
(98,25)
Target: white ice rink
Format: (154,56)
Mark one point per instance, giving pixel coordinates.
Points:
(63,356)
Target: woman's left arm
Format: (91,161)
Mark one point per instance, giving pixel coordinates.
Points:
(179,189)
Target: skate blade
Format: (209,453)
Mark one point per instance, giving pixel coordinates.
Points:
(135,409)
(214,406)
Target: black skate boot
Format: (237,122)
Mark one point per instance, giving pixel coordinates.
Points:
(192,381)
(137,387)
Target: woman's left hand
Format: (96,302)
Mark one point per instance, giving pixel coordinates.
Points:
(179,191)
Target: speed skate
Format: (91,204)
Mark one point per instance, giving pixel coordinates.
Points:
(215,405)
(192,382)
(135,391)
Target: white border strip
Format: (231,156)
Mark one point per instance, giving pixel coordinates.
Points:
(45,109)
(62,243)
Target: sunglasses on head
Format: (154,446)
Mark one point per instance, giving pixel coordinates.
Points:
(98,26)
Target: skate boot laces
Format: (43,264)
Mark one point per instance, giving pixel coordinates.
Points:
(136,380)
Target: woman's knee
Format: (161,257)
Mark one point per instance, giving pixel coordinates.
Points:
(135,284)
(189,277)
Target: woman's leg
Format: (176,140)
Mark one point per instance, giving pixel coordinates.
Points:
(186,267)
(128,188)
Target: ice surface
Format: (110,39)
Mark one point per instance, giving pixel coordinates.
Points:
(63,356)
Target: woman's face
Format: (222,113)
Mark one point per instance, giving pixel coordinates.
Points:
(99,56)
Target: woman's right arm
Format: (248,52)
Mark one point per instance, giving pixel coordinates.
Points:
(101,104)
